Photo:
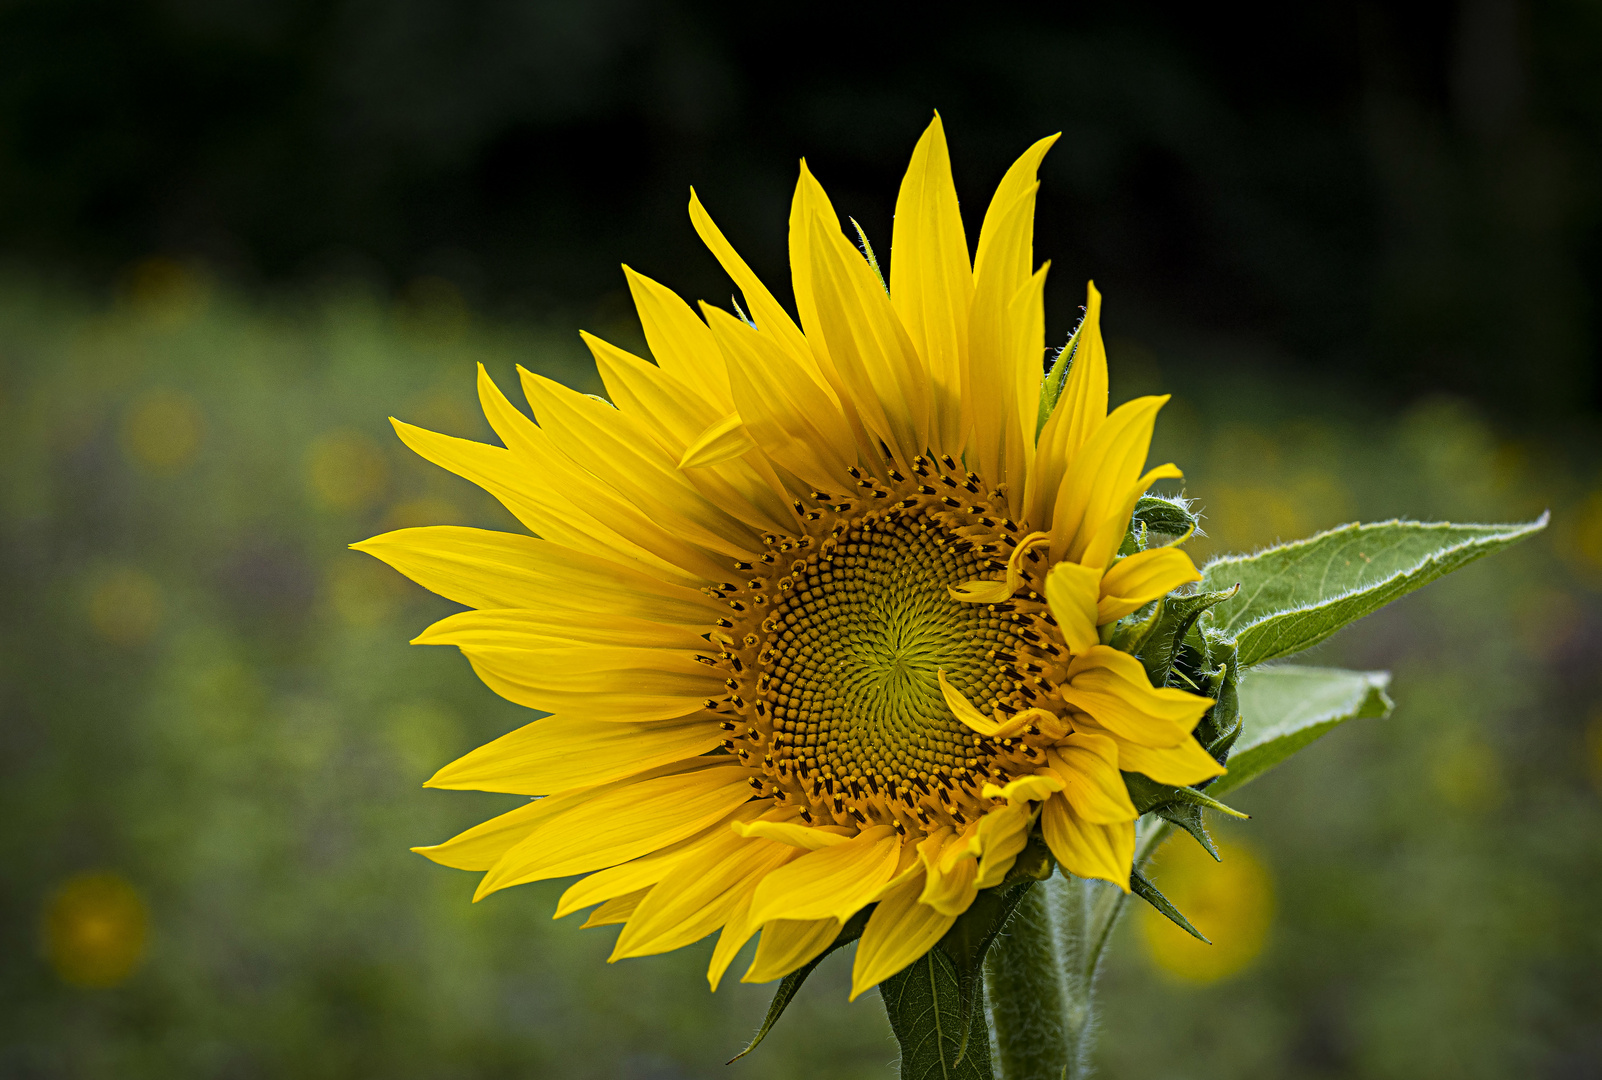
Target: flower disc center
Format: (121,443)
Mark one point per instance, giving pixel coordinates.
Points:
(860,635)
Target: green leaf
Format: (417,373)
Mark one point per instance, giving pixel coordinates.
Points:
(1285,707)
(924,1006)
(792,982)
(1296,595)
(1142,887)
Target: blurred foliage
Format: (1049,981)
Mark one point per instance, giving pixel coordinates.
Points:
(1407,193)
(211,710)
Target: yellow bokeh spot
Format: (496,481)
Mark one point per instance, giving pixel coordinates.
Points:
(1232,902)
(161,431)
(346,470)
(1468,776)
(125,607)
(96,928)
(1582,536)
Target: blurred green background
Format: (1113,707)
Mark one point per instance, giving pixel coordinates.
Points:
(1361,245)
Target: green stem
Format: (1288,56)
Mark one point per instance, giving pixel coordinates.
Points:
(1040,975)
(1074,904)
(1025,992)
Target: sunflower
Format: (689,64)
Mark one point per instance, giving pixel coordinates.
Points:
(820,612)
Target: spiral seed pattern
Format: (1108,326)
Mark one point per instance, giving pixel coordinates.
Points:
(838,634)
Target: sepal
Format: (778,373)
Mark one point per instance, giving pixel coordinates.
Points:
(1167,515)
(1142,887)
(791,983)
(1160,646)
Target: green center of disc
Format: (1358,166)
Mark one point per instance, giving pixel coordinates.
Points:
(864,634)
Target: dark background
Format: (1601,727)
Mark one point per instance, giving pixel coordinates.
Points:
(1359,243)
(1405,196)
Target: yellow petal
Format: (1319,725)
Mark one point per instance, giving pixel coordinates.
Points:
(722,440)
(540,505)
(789,414)
(557,624)
(963,710)
(808,837)
(482,846)
(1002,834)
(620,821)
(1025,361)
(950,891)
(1109,537)
(678,340)
(687,428)
(635,685)
(1019,181)
(485,569)
(931,282)
(993,377)
(834,882)
(810,201)
(699,895)
(561,752)
(994,592)
(1084,394)
(898,932)
(649,869)
(616,910)
(787,944)
(1089,763)
(768,313)
(1086,850)
(1071,592)
(870,351)
(1025,789)
(1132,583)
(1113,688)
(1103,473)
(1184,764)
(612,445)
(1080,409)
(737,930)
(548,470)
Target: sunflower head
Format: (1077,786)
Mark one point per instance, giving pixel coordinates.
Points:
(821,609)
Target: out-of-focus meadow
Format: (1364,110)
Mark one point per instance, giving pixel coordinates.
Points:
(215,733)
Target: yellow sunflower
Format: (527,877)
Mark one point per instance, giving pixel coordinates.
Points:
(820,612)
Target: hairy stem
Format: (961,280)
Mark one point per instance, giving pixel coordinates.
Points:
(1074,903)
(1025,991)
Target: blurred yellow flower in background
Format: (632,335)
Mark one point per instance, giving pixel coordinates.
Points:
(1232,902)
(96,928)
